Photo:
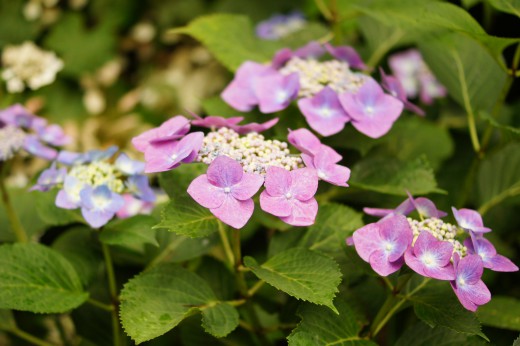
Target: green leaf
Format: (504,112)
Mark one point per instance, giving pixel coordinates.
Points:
(508,6)
(501,312)
(334,223)
(390,176)
(36,278)
(499,176)
(176,182)
(157,300)
(320,326)
(301,273)
(220,320)
(230,38)
(7,320)
(421,334)
(186,217)
(68,37)
(310,32)
(134,231)
(14,28)
(439,306)
(85,258)
(218,277)
(457,62)
(50,213)
(24,204)
(492,121)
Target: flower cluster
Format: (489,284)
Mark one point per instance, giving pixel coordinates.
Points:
(21,129)
(330,93)
(431,247)
(241,161)
(415,77)
(279,26)
(28,65)
(99,187)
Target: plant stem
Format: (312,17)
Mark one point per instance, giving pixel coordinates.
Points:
(225,244)
(381,51)
(29,338)
(112,288)
(390,307)
(101,305)
(251,292)
(15,222)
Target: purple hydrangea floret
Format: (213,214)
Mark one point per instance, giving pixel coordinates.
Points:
(470,220)
(99,205)
(489,256)
(431,257)
(468,286)
(279,26)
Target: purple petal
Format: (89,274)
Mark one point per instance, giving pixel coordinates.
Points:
(324,112)
(281,57)
(129,166)
(396,231)
(303,213)
(426,208)
(275,92)
(312,50)
(469,269)
(334,174)
(247,187)
(205,193)
(233,212)
(470,220)
(471,296)
(54,135)
(217,122)
(254,127)
(97,218)
(500,263)
(380,264)
(140,187)
(278,181)
(378,212)
(325,156)
(167,155)
(367,240)
(240,94)
(172,129)
(33,145)
(304,183)
(277,205)
(64,201)
(224,172)
(348,54)
(305,141)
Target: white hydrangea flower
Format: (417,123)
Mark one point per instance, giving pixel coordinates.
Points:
(27,65)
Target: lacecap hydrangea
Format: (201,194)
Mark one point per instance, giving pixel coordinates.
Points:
(240,161)
(330,92)
(432,247)
(20,129)
(101,186)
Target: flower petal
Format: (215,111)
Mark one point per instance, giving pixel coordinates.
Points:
(205,193)
(303,213)
(225,172)
(233,212)
(278,181)
(248,186)
(304,183)
(276,205)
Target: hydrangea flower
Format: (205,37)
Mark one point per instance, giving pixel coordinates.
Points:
(468,286)
(241,151)
(279,26)
(436,248)
(290,195)
(21,129)
(90,181)
(28,65)
(227,191)
(320,85)
(415,77)
(392,85)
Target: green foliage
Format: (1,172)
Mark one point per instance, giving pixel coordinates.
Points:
(38,279)
(176,181)
(320,326)
(501,312)
(14,29)
(219,320)
(301,273)
(6,320)
(24,204)
(421,334)
(50,213)
(508,6)
(134,231)
(439,306)
(499,176)
(156,301)
(386,175)
(334,223)
(186,217)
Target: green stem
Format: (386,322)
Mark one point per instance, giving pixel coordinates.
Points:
(225,244)
(112,288)
(324,9)
(29,338)
(381,51)
(497,199)
(15,222)
(390,307)
(98,304)
(251,292)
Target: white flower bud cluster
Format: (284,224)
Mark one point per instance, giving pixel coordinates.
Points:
(11,140)
(252,151)
(439,229)
(99,173)
(315,75)
(28,65)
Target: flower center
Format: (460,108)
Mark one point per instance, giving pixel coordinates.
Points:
(227,189)
(428,259)
(322,175)
(288,195)
(389,247)
(252,151)
(369,110)
(98,173)
(461,282)
(11,140)
(326,112)
(174,157)
(439,229)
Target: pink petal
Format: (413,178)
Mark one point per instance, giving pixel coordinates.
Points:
(233,212)
(276,91)
(396,230)
(304,140)
(248,186)
(500,263)
(379,262)
(304,183)
(470,220)
(278,181)
(224,172)
(277,205)
(367,240)
(470,268)
(205,193)
(303,213)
